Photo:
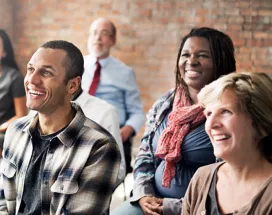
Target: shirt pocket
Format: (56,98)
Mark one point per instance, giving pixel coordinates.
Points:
(8,169)
(64,187)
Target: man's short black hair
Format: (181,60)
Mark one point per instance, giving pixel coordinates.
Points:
(73,62)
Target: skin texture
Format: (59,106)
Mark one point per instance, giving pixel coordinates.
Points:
(225,126)
(196,65)
(46,90)
(151,205)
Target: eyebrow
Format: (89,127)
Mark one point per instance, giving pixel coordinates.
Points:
(198,51)
(44,66)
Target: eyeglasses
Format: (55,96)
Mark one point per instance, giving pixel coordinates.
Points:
(103,33)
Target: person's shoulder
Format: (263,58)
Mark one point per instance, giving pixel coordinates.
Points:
(95,132)
(167,97)
(207,170)
(87,57)
(119,64)
(167,94)
(12,72)
(21,123)
(93,103)
(89,128)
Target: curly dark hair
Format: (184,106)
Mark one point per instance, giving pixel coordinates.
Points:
(74,62)
(222,52)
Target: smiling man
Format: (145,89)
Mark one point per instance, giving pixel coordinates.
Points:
(57,161)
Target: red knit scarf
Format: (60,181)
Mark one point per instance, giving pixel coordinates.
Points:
(183,117)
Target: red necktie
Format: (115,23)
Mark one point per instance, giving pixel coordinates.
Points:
(96,79)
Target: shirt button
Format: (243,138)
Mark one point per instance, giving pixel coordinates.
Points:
(61,187)
(203,213)
(46,182)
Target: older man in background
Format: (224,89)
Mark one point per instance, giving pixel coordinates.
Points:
(113,81)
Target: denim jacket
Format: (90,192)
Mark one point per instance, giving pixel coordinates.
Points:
(146,162)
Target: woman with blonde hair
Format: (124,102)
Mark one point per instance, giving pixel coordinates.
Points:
(238,108)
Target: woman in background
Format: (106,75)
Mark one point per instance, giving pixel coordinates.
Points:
(12,92)
(175,143)
(238,108)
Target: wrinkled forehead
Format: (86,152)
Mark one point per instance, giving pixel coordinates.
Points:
(100,25)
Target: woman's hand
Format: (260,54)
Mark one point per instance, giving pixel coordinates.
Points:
(151,205)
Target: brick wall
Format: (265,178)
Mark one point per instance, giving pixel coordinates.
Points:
(6,17)
(149,31)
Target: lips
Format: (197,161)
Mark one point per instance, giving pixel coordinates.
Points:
(36,93)
(221,137)
(192,73)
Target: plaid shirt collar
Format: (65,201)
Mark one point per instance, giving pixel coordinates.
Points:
(70,131)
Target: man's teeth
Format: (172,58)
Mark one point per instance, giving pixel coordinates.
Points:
(37,93)
(221,137)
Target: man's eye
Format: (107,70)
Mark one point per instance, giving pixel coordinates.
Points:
(185,55)
(30,69)
(46,73)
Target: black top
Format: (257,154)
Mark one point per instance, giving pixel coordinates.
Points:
(31,200)
(211,203)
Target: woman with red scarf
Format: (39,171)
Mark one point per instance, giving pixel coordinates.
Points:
(175,143)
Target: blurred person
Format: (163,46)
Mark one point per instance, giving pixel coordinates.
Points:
(238,108)
(105,115)
(57,161)
(175,143)
(12,93)
(111,80)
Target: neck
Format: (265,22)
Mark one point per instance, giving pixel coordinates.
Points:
(100,57)
(53,122)
(193,94)
(77,94)
(249,168)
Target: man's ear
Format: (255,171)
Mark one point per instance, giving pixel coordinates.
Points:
(73,85)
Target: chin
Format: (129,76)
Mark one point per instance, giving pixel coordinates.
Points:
(218,153)
(98,54)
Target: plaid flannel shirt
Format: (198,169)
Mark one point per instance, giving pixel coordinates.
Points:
(79,173)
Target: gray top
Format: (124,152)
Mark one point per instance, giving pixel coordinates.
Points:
(11,86)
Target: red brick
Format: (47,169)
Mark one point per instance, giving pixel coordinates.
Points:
(239,42)
(235,19)
(246,34)
(267,42)
(242,4)
(245,50)
(260,35)
(265,12)
(234,27)
(248,12)
(149,32)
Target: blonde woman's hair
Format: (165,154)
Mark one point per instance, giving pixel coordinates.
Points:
(254,93)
